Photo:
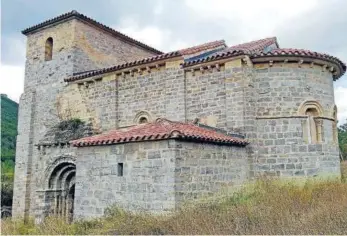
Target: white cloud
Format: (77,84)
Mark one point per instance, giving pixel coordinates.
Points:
(251,19)
(12,81)
(162,39)
(341,103)
(14,47)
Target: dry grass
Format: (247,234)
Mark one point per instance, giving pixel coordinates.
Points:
(344,170)
(267,207)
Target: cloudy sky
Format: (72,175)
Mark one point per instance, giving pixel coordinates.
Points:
(317,25)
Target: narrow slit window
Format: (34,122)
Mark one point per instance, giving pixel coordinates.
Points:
(120,169)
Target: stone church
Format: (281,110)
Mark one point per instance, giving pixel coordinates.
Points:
(107,120)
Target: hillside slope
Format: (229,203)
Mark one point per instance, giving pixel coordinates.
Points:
(9,120)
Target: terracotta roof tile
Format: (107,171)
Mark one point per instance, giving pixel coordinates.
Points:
(303,52)
(82,75)
(255,46)
(182,52)
(240,49)
(202,47)
(93,22)
(159,130)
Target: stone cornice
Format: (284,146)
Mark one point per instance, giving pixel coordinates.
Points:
(292,116)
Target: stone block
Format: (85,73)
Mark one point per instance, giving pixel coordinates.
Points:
(153,154)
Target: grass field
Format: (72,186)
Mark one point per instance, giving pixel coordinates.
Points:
(267,207)
(344,171)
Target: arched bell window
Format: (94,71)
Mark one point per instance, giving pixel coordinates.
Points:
(49,49)
(312,126)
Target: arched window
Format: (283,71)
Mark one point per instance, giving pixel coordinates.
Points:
(49,49)
(312,126)
(143,120)
(143,117)
(335,133)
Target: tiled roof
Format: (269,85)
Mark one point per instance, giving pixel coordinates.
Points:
(254,46)
(202,47)
(81,75)
(159,130)
(302,52)
(255,49)
(240,49)
(182,52)
(93,22)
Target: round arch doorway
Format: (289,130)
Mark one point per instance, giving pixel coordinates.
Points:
(62,190)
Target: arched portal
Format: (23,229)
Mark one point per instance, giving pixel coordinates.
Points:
(61,186)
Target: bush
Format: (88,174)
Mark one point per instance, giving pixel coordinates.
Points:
(266,207)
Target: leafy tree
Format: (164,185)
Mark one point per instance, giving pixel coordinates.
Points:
(342,131)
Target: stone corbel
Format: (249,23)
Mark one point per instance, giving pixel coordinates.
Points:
(312,64)
(247,61)
(217,67)
(202,70)
(285,62)
(157,66)
(139,70)
(131,73)
(324,67)
(148,69)
(86,85)
(123,74)
(300,63)
(331,69)
(271,63)
(193,72)
(209,68)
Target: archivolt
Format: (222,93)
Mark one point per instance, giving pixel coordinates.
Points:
(56,170)
(310,104)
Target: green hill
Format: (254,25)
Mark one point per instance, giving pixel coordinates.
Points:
(9,120)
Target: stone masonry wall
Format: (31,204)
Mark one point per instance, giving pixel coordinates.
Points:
(206,169)
(97,49)
(260,101)
(282,148)
(158,176)
(43,82)
(40,104)
(206,97)
(50,157)
(160,93)
(147,182)
(115,100)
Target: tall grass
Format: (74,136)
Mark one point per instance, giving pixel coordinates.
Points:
(344,171)
(266,207)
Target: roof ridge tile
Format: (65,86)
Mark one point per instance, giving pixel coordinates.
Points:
(160,129)
(81,16)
